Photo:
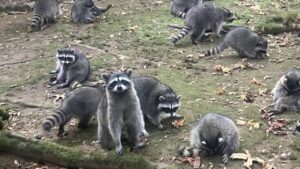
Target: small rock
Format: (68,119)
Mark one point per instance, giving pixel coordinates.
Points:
(283,156)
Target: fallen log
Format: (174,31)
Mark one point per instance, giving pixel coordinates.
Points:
(48,152)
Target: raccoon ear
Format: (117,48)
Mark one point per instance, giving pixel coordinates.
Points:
(178,97)
(161,98)
(58,50)
(129,72)
(105,76)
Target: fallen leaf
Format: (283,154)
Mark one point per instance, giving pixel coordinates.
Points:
(194,161)
(255,81)
(248,157)
(220,90)
(178,123)
(277,127)
(247,97)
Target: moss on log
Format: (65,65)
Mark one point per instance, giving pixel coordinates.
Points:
(280,23)
(48,152)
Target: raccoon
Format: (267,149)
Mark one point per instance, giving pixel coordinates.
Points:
(202,18)
(297,128)
(214,134)
(286,93)
(244,41)
(45,12)
(119,108)
(179,8)
(156,97)
(85,11)
(71,66)
(81,102)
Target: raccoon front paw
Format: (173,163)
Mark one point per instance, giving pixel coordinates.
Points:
(225,158)
(160,126)
(119,150)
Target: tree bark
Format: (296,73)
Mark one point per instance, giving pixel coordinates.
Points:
(47,152)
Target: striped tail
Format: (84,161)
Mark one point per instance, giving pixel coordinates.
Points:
(185,30)
(60,116)
(37,22)
(220,48)
(180,14)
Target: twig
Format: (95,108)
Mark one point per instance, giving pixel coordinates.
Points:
(29,105)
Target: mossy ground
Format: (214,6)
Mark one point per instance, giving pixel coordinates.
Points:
(135,34)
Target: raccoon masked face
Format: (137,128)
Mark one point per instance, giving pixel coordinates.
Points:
(118,82)
(66,56)
(228,15)
(169,103)
(211,146)
(261,47)
(292,82)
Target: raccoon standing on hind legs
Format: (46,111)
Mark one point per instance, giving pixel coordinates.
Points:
(71,66)
(244,41)
(119,109)
(203,18)
(85,11)
(45,12)
(214,134)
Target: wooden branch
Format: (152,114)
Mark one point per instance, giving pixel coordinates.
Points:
(45,151)
(29,105)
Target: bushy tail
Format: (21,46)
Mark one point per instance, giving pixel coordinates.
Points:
(60,116)
(98,10)
(37,22)
(185,30)
(220,48)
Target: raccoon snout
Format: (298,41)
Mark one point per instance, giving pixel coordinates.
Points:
(119,88)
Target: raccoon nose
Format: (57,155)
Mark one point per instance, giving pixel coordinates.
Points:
(119,88)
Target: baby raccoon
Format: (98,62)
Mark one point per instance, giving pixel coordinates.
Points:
(70,66)
(155,97)
(45,12)
(213,134)
(179,8)
(81,102)
(203,18)
(120,108)
(85,11)
(286,93)
(244,41)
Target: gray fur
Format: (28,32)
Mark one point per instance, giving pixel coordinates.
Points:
(244,41)
(297,128)
(120,108)
(85,11)
(179,8)
(45,12)
(215,134)
(151,93)
(203,18)
(82,102)
(286,93)
(71,66)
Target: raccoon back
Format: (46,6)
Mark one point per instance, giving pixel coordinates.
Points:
(209,127)
(80,69)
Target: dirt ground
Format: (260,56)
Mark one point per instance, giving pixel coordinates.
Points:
(134,33)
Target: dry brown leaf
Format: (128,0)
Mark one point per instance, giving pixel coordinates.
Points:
(247,97)
(220,90)
(178,123)
(194,161)
(222,69)
(263,92)
(249,159)
(277,127)
(255,81)
(58,97)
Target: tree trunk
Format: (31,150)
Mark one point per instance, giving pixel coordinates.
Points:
(45,151)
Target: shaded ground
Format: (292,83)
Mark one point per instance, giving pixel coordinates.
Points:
(135,34)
